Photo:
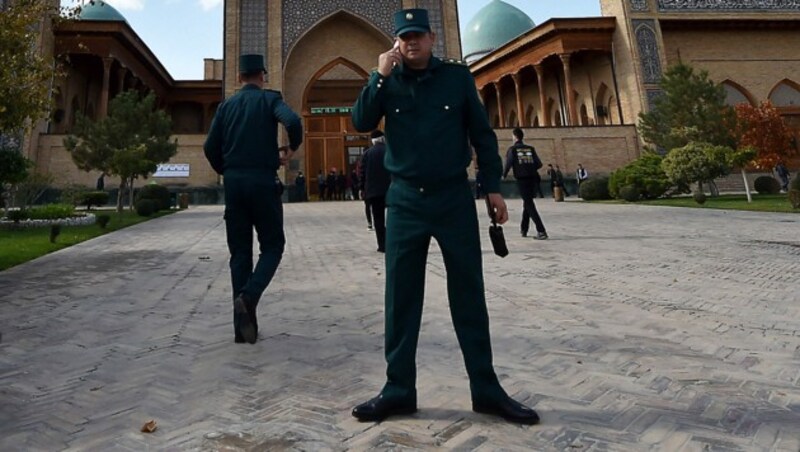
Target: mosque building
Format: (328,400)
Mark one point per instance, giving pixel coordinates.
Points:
(576,85)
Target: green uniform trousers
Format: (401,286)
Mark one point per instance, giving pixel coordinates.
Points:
(252,201)
(416,214)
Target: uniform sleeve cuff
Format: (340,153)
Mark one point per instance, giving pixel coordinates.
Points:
(377,81)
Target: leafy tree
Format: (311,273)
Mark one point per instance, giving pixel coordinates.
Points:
(25,74)
(644,173)
(741,158)
(14,169)
(692,108)
(763,130)
(32,188)
(129,143)
(697,162)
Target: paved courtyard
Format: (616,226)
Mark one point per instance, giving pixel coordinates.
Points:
(633,328)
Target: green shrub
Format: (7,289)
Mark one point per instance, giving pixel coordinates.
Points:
(794,192)
(55,231)
(699,197)
(697,162)
(595,188)
(17,215)
(51,212)
(146,207)
(103,220)
(794,198)
(767,185)
(630,193)
(158,193)
(73,194)
(644,173)
(94,198)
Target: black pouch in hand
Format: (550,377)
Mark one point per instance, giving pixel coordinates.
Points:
(496,235)
(278,186)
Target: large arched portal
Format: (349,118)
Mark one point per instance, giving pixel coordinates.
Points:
(322,79)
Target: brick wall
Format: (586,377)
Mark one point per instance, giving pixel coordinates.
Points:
(53,158)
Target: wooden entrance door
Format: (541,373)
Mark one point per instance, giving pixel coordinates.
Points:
(324,143)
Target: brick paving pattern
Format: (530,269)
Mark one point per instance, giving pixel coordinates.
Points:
(632,328)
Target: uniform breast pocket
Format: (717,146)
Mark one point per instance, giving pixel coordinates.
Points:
(445,114)
(400,105)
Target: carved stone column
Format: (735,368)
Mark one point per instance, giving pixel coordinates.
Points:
(102,110)
(121,79)
(544,114)
(520,107)
(573,114)
(482,95)
(500,110)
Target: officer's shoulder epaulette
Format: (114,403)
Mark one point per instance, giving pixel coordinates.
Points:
(454,61)
(273,91)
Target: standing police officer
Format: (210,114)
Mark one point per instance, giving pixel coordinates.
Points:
(523,159)
(242,145)
(432,114)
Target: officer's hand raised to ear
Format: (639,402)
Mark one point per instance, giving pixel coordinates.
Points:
(497,204)
(390,58)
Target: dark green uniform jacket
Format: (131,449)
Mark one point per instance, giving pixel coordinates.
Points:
(244,132)
(432,117)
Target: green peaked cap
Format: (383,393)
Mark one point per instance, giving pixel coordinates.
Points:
(407,20)
(251,64)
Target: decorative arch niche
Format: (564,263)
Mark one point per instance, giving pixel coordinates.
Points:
(531,115)
(337,83)
(785,94)
(736,94)
(600,101)
(313,56)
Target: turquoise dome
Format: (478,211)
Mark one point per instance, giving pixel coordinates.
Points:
(101,11)
(494,25)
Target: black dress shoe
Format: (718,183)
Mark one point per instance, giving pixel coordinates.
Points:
(509,409)
(247,330)
(379,408)
(252,307)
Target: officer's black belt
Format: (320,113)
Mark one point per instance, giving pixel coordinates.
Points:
(430,186)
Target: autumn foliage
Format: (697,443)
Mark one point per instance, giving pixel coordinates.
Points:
(762,129)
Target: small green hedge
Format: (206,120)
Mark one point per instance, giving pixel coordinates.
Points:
(699,197)
(767,185)
(102,220)
(158,193)
(595,189)
(51,212)
(146,207)
(17,215)
(630,193)
(93,198)
(794,192)
(645,173)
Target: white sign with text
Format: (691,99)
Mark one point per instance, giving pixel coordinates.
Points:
(172,170)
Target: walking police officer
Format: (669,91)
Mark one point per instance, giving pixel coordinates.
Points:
(526,163)
(432,114)
(374,184)
(242,145)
